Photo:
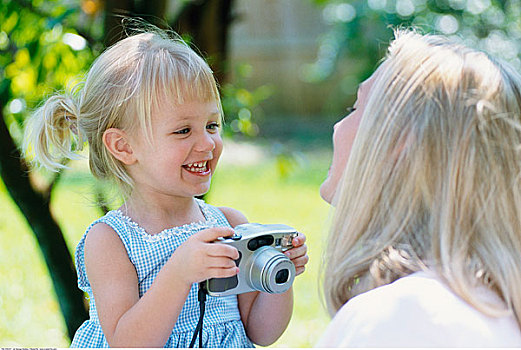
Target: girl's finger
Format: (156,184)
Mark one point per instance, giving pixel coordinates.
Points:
(301,261)
(220,262)
(219,249)
(296,252)
(299,240)
(212,234)
(299,270)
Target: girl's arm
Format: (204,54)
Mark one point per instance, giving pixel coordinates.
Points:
(266,316)
(129,321)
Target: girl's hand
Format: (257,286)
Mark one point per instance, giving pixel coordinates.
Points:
(298,254)
(201,258)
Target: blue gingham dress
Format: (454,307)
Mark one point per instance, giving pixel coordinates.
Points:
(222,322)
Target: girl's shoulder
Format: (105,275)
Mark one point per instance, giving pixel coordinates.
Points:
(113,219)
(113,223)
(101,237)
(233,216)
(104,250)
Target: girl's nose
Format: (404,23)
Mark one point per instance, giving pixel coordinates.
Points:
(205,143)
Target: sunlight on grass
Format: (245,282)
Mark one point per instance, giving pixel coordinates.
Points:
(29,313)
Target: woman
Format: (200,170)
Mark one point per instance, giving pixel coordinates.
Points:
(425,244)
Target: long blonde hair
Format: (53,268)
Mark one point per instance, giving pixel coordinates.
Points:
(433,179)
(123,86)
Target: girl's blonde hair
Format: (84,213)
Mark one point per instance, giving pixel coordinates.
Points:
(124,85)
(433,179)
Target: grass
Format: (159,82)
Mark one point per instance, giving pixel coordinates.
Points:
(29,312)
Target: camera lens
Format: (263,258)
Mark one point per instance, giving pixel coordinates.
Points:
(282,276)
(270,271)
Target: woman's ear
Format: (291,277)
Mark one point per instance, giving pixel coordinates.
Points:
(117,142)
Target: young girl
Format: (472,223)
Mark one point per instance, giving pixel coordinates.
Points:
(425,245)
(151,113)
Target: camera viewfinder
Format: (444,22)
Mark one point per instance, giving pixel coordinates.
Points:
(260,241)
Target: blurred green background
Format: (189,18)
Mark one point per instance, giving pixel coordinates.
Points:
(287,71)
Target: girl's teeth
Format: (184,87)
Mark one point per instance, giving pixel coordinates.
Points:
(197,167)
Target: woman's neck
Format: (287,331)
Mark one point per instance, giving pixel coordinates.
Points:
(156,216)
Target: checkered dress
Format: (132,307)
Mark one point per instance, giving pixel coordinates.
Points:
(148,253)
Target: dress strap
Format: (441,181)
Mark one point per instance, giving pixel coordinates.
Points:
(212,213)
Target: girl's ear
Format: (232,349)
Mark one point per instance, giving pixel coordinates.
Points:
(117,142)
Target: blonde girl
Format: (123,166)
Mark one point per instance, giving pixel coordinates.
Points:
(425,244)
(151,114)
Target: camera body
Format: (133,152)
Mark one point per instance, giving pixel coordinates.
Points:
(262,265)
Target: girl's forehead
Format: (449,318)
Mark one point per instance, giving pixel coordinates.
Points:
(188,110)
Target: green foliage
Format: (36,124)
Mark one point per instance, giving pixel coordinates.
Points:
(41,51)
(359,31)
(241,106)
(39,54)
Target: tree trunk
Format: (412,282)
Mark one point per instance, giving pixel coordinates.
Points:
(116,10)
(35,208)
(207,22)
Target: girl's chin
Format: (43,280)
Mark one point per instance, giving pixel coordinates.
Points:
(202,189)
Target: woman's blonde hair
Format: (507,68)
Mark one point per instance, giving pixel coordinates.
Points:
(433,179)
(122,88)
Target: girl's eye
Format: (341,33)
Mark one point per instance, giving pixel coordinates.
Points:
(350,110)
(213,126)
(182,131)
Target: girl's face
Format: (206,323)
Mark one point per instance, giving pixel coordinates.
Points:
(343,137)
(186,145)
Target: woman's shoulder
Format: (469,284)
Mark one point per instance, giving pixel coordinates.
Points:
(382,316)
(418,290)
(414,311)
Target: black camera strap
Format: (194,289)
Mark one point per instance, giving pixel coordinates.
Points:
(201,296)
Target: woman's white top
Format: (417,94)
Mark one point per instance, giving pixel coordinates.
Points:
(419,311)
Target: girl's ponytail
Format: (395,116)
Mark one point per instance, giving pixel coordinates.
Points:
(52,134)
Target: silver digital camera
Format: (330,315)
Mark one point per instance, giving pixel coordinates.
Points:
(262,266)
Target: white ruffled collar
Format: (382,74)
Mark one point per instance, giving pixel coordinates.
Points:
(189,228)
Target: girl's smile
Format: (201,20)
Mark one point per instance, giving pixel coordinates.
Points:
(198,168)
